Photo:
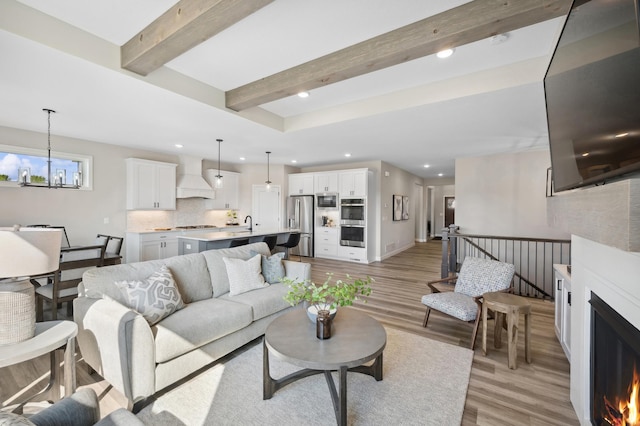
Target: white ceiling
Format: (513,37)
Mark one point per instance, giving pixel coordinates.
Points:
(487,98)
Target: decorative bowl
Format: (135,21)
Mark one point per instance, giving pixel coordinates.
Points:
(312,313)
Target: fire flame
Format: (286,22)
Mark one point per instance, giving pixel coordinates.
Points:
(628,413)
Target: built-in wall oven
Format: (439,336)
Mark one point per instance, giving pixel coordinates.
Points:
(352,211)
(352,235)
(352,222)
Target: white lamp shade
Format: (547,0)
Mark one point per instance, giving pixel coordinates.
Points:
(29,251)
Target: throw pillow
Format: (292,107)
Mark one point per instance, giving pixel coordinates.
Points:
(155,298)
(272,267)
(244,275)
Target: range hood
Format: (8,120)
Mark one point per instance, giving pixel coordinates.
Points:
(190,183)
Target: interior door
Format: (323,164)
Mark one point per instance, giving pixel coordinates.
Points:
(266,207)
(449,211)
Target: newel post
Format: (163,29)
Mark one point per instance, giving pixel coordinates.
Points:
(444,266)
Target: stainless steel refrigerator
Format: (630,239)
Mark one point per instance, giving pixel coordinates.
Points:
(300,215)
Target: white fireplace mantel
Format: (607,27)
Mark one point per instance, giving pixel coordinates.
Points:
(614,275)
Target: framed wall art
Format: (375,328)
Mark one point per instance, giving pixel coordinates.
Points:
(397,207)
(405,208)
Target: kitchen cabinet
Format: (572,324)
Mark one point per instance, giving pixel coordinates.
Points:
(562,283)
(151,185)
(354,254)
(151,246)
(353,183)
(326,242)
(301,184)
(325,182)
(226,197)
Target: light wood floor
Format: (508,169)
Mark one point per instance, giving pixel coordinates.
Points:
(533,394)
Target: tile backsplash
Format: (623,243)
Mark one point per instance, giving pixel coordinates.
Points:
(189,211)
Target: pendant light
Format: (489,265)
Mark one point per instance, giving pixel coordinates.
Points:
(218,184)
(57,180)
(268,181)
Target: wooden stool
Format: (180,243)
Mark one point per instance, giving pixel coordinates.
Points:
(511,306)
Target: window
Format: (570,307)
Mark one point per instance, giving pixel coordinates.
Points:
(19,163)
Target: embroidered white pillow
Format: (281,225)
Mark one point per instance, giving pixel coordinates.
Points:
(244,275)
(155,297)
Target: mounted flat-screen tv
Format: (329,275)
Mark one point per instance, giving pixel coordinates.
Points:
(592,92)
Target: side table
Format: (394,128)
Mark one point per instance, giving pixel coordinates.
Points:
(55,338)
(511,306)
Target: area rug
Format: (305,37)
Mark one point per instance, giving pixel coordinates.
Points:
(425,383)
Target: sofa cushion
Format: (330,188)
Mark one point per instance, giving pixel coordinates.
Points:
(217,269)
(244,275)
(189,271)
(272,267)
(263,302)
(198,324)
(155,297)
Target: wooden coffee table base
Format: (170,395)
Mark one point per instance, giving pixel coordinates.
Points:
(271,385)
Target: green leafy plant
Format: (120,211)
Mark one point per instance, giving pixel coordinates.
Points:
(326,296)
(4,178)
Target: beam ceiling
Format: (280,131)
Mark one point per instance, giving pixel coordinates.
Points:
(182,27)
(473,21)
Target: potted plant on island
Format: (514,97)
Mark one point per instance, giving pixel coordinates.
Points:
(327,297)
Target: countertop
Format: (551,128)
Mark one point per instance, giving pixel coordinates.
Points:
(219,236)
(217,229)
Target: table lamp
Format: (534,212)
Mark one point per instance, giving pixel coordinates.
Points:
(24,253)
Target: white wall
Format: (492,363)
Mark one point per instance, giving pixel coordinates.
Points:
(504,195)
(83,213)
(396,236)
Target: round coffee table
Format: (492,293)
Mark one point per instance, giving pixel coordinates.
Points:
(355,339)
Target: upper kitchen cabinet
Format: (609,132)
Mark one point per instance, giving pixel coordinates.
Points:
(353,183)
(151,185)
(301,184)
(326,182)
(226,197)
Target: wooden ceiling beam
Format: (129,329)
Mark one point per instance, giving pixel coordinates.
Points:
(182,27)
(473,21)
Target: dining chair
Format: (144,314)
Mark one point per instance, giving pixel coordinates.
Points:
(114,244)
(464,299)
(63,287)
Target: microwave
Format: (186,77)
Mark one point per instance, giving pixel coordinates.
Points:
(327,200)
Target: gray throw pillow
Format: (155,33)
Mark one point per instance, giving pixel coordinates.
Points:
(155,298)
(272,267)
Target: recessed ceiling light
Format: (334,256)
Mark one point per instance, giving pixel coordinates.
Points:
(499,38)
(585,154)
(622,135)
(347,154)
(242,158)
(179,145)
(445,53)
(294,161)
(426,166)
(440,174)
(303,94)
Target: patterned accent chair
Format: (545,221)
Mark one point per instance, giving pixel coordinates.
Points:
(477,276)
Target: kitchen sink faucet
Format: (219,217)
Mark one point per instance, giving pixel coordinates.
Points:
(250,222)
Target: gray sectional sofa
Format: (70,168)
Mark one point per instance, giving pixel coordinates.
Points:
(139,359)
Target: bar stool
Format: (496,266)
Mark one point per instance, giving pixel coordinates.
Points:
(511,306)
(271,241)
(292,241)
(239,242)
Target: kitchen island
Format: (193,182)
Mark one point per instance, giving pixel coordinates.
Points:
(197,242)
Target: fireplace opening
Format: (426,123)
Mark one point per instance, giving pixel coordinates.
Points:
(615,364)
